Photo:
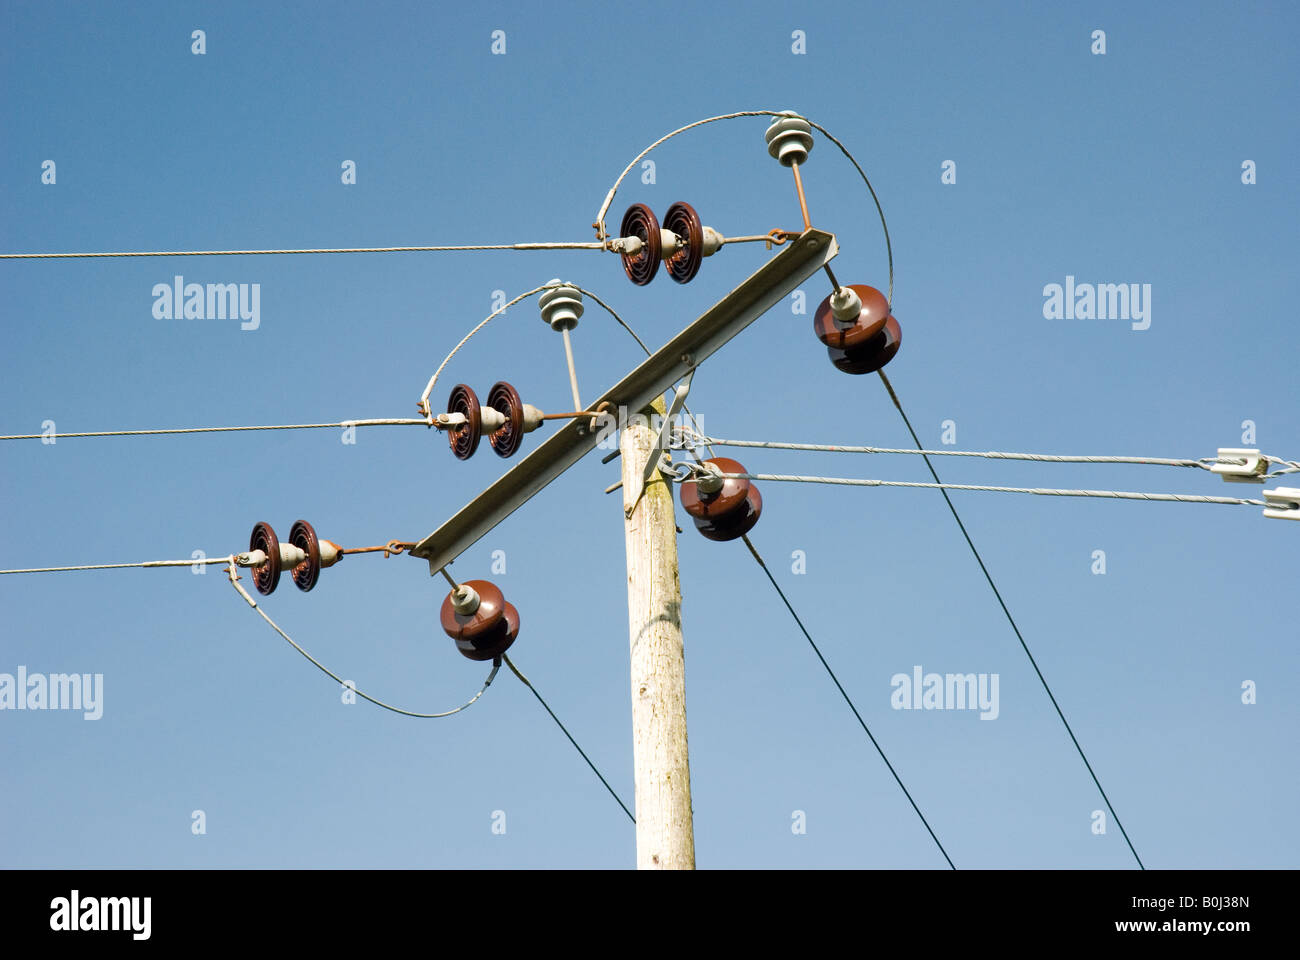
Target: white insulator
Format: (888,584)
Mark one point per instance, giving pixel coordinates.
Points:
(1284,503)
(330,553)
(670,243)
(789,138)
(291,556)
(253,558)
(561,305)
(846,305)
(491,419)
(1252,471)
(532,418)
(464,600)
(713,242)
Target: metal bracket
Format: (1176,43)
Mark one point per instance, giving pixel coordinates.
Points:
(665,428)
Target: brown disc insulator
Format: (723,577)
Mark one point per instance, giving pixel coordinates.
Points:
(872,355)
(303,536)
(729,513)
(505,399)
(464,439)
(870,321)
(682,220)
(266,577)
(489,631)
(641,222)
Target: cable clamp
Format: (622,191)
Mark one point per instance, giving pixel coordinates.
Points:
(1285,503)
(1250,467)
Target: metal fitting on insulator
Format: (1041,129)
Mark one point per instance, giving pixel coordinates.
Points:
(860,332)
(846,305)
(487,627)
(723,508)
(561,305)
(789,138)
(465,600)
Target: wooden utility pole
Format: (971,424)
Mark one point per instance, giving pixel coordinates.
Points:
(665,834)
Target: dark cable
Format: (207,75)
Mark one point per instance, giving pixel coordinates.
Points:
(1002,603)
(838,686)
(524,680)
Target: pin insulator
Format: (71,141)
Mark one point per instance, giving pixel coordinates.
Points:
(486,631)
(561,305)
(463,439)
(730,511)
(872,355)
(789,138)
(851,316)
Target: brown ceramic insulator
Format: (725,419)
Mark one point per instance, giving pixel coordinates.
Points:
(871,320)
(716,505)
(303,536)
(489,630)
(266,577)
(873,355)
(682,220)
(464,439)
(641,222)
(505,399)
(495,642)
(736,524)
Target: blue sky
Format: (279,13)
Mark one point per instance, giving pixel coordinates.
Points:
(1122,168)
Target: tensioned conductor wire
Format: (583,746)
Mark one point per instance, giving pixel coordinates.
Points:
(848,700)
(118,566)
(234,582)
(1011,620)
(1047,492)
(398,421)
(440,248)
(583,753)
(609,197)
(240,253)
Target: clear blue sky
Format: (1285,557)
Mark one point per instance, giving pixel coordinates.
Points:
(1122,168)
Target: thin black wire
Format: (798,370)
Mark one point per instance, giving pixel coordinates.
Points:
(1011,620)
(838,686)
(515,671)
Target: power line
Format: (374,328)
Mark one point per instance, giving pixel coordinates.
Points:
(989,455)
(1041,491)
(343,424)
(840,687)
(583,753)
(1011,620)
(234,582)
(116,566)
(443,248)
